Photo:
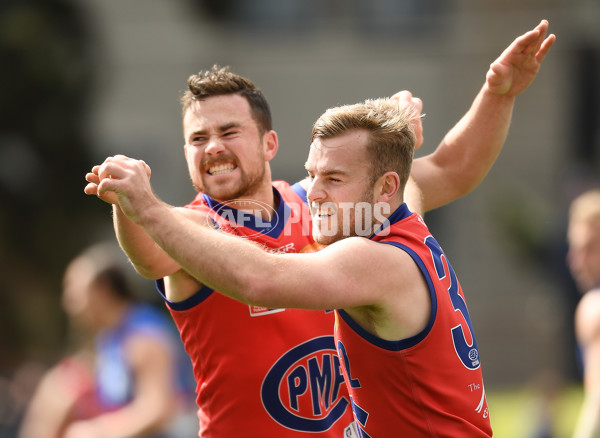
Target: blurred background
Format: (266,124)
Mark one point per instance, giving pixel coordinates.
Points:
(84,79)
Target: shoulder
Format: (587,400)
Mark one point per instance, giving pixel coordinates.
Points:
(381,265)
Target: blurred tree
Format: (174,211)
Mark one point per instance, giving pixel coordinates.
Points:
(47,79)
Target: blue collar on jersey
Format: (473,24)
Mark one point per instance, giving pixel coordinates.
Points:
(242,218)
(401,213)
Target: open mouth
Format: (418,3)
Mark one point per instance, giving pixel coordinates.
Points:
(322,211)
(220,169)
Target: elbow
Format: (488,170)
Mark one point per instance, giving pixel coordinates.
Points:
(462,182)
(149,272)
(155,268)
(257,289)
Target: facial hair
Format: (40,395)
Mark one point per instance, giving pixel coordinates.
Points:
(247,185)
(349,225)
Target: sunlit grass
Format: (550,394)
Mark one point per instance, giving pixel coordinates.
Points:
(520,412)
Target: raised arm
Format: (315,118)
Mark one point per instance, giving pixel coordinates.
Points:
(470,148)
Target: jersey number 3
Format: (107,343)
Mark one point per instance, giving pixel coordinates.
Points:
(467,352)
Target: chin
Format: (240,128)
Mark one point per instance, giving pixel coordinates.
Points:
(325,240)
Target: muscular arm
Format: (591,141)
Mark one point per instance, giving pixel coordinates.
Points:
(467,152)
(470,148)
(361,276)
(148,258)
(372,281)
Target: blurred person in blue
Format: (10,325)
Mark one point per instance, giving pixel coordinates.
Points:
(583,236)
(130,377)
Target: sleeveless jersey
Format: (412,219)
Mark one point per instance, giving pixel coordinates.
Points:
(263,372)
(429,385)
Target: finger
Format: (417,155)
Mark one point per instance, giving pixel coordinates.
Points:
(417,104)
(545,48)
(533,48)
(527,43)
(111,169)
(146,168)
(403,95)
(107,185)
(91,189)
(530,42)
(92,178)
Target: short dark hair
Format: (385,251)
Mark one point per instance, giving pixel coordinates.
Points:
(219,81)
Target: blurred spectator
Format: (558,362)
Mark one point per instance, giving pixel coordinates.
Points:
(583,237)
(130,376)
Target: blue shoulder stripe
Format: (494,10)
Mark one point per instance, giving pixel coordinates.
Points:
(203,293)
(401,344)
(300,191)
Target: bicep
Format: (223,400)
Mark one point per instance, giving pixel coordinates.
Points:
(435,181)
(353,272)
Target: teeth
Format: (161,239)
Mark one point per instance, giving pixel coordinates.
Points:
(221,168)
(321,213)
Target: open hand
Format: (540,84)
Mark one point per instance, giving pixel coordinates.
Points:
(516,68)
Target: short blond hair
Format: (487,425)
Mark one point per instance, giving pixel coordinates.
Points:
(391,141)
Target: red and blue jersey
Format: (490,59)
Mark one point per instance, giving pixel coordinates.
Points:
(263,372)
(429,385)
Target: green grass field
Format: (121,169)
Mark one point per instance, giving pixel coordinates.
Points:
(515,413)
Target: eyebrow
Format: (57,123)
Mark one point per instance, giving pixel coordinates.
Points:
(221,128)
(327,172)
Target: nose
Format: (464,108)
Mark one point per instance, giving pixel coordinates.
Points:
(214,146)
(315,191)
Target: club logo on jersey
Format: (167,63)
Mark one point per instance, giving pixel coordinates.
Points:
(260,311)
(244,213)
(304,389)
(474,357)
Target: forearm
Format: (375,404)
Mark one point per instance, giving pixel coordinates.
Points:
(148,258)
(478,137)
(235,271)
(467,152)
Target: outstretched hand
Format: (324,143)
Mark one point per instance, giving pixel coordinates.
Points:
(516,68)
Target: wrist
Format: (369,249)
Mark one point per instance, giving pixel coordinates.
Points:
(490,93)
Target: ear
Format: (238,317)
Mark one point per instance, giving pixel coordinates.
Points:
(271,144)
(387,187)
(185,151)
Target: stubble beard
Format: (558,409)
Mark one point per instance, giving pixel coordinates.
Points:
(244,187)
(350,224)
